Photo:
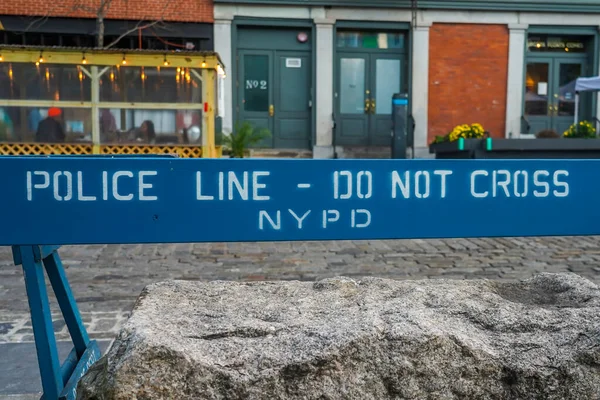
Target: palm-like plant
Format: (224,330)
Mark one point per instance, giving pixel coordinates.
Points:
(243,137)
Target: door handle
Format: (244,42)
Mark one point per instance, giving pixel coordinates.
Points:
(367,105)
(271,110)
(372,106)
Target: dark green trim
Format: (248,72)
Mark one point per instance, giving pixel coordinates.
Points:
(372,26)
(279,22)
(562,30)
(563,6)
(270,22)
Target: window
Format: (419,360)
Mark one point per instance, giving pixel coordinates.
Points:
(370,40)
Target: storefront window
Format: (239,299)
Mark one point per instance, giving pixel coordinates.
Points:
(370,40)
(135,126)
(44,82)
(26,124)
(150,85)
(561,44)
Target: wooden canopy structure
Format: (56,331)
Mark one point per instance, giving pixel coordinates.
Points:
(108,98)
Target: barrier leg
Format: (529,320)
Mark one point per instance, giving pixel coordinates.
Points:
(66,301)
(58,382)
(41,321)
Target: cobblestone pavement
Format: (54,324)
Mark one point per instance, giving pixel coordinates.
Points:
(106,280)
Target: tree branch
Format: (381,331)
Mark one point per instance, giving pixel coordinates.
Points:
(130,31)
(140,25)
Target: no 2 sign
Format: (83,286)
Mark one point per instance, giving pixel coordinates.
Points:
(254,84)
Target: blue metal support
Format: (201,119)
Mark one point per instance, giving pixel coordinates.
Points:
(59,382)
(41,321)
(66,301)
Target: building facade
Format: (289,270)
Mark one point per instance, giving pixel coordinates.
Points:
(320,74)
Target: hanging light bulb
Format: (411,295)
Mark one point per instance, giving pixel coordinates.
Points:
(41,59)
(165,63)
(203,64)
(83,59)
(124,61)
(1,58)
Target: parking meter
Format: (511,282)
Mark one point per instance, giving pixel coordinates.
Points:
(400,124)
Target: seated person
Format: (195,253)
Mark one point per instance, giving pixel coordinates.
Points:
(145,133)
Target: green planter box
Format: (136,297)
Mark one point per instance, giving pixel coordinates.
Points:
(518,149)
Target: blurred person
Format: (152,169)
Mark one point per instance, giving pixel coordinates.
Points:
(50,129)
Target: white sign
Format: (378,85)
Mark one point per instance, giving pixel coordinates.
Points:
(543,88)
(293,62)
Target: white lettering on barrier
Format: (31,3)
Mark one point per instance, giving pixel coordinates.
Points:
(236,186)
(299,219)
(144,185)
(80,195)
(422,183)
(31,186)
(364,185)
(62,185)
(115,185)
(330,216)
(359,218)
(367,213)
(519,183)
(262,214)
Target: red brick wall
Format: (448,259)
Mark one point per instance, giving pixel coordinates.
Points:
(468,68)
(169,10)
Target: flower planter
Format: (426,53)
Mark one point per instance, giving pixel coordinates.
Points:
(518,149)
(453,150)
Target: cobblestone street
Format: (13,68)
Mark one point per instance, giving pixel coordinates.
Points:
(106,280)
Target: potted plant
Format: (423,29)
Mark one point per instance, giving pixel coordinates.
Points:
(581,130)
(460,142)
(244,136)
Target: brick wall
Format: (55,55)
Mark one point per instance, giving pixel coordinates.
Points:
(169,10)
(468,68)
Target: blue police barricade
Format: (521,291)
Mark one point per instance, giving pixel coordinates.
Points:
(53,201)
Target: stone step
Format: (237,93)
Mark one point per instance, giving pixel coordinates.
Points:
(280,153)
(364,152)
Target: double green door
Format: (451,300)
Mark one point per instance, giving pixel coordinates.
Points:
(365,85)
(550,93)
(274,92)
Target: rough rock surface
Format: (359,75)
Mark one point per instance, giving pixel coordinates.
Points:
(346,339)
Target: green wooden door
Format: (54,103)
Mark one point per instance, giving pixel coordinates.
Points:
(385,80)
(353,98)
(563,97)
(538,107)
(292,100)
(274,92)
(366,83)
(550,92)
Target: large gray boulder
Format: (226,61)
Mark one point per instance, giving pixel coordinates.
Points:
(357,339)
